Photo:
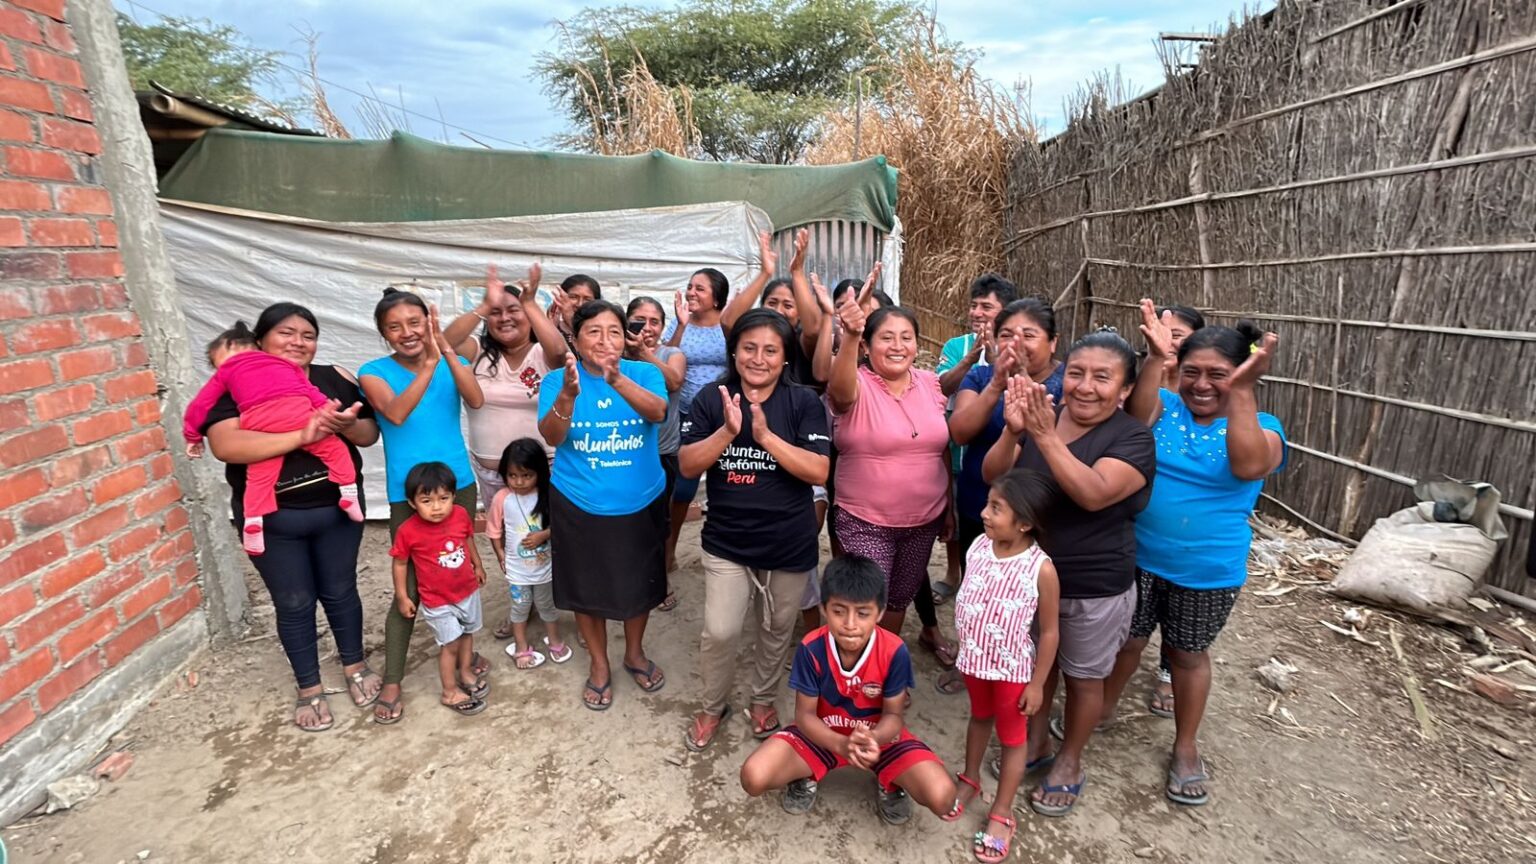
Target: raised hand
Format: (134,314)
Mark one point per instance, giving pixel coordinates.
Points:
(802,242)
(680,305)
(437,343)
(495,289)
(1039,416)
(867,293)
(823,298)
(1158,331)
(535,273)
(1014,397)
(766,252)
(611,371)
(1004,368)
(730,407)
(1257,364)
(850,313)
(760,430)
(571,386)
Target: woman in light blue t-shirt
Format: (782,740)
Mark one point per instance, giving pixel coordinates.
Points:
(607,501)
(1214,449)
(416,393)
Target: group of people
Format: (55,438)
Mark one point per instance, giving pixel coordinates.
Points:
(1089,498)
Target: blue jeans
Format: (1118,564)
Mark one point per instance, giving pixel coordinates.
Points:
(312,557)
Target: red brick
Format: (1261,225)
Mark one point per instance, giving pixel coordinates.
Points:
(23,194)
(61,232)
(101,426)
(56,35)
(103,524)
(170,549)
(113,294)
(106,233)
(44,336)
(13,415)
(140,444)
(135,354)
(87,362)
(132,542)
(7,534)
(146,413)
(161,466)
(86,635)
(115,325)
(52,8)
(131,638)
(97,265)
(69,135)
(15,720)
(25,375)
(16,127)
(44,164)
(27,446)
(132,385)
(64,684)
(78,465)
(176,518)
(176,609)
(25,93)
(73,103)
(26,672)
(53,67)
(31,558)
(15,602)
(78,568)
(118,483)
(186,572)
(65,299)
(156,500)
(11,232)
(31,265)
(21,486)
(53,404)
(146,598)
(49,512)
(114,583)
(114,766)
(14,304)
(84,199)
(19,24)
(7,62)
(43,625)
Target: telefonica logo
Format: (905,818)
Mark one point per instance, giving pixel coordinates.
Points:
(604,403)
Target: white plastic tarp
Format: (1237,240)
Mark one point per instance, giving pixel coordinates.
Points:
(232,264)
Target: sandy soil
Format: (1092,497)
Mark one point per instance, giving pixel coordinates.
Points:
(222,775)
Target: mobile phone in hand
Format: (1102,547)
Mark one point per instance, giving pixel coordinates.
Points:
(636,326)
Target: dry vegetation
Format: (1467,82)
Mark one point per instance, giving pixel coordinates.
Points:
(631,112)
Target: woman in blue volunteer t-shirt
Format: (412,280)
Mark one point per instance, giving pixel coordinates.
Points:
(607,501)
(1214,449)
(416,392)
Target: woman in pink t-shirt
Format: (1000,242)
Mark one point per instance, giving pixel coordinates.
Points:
(893,451)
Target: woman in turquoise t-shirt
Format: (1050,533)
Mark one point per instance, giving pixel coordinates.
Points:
(1214,449)
(607,502)
(416,392)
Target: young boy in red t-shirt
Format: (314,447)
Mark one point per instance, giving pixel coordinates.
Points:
(851,680)
(440,540)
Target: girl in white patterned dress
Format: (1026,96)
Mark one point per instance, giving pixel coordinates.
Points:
(1005,616)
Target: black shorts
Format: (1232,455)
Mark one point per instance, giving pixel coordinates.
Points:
(1190,617)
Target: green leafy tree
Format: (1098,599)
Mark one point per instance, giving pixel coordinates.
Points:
(197,56)
(761,73)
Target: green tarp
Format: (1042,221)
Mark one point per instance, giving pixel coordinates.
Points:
(410,179)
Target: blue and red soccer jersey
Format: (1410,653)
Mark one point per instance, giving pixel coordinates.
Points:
(849,697)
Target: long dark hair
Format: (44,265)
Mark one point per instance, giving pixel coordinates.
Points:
(277,313)
(1034,309)
(1232,343)
(1188,314)
(719,286)
(529,454)
(491,350)
(394,297)
(757,319)
(1114,343)
(878,317)
(236,335)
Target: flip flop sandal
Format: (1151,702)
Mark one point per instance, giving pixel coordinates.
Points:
(1176,784)
(993,850)
(356,679)
(649,673)
(1059,727)
(558,651)
(761,732)
(950,683)
(696,742)
(1158,707)
(535,659)
(668,604)
(468,708)
(958,809)
(504,632)
(481,689)
(942,591)
(313,703)
(995,765)
(1056,812)
(396,712)
(599,705)
(479,665)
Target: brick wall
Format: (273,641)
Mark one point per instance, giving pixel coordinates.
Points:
(96,556)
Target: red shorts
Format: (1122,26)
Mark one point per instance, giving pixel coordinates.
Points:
(895,758)
(999,701)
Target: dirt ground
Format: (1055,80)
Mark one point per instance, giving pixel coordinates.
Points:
(222,775)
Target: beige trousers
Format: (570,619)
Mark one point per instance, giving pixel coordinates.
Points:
(731,592)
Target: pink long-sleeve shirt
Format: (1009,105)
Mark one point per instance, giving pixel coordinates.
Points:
(250,378)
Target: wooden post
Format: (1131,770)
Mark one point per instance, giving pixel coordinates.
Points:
(1338,350)
(1202,228)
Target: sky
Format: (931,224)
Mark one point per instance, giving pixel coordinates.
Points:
(470,62)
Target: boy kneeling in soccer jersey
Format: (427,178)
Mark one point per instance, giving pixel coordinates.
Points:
(851,679)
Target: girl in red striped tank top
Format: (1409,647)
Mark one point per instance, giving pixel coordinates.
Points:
(1005,616)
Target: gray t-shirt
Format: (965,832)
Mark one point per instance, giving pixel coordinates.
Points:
(668,437)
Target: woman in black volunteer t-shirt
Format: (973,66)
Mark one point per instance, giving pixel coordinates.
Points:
(311,552)
(1101,461)
(763,440)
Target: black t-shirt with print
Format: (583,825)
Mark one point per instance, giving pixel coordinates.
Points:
(1095,552)
(302,483)
(760,515)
